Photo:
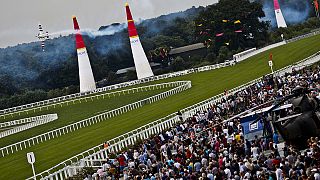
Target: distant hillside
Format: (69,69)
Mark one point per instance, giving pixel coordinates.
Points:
(25,66)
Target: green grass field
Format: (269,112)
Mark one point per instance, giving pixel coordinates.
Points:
(73,113)
(204,85)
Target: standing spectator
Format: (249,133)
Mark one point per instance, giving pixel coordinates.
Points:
(279,173)
(275,138)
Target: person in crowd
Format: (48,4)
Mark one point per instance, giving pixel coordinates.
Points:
(205,147)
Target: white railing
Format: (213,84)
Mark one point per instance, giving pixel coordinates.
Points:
(45,103)
(91,98)
(303,36)
(179,87)
(22,121)
(241,54)
(201,106)
(31,122)
(69,167)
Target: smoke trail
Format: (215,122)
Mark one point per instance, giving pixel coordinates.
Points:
(294,11)
(62,33)
(110,30)
(92,33)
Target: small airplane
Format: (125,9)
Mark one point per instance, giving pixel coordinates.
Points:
(42,36)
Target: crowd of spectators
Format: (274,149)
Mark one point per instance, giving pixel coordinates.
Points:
(205,147)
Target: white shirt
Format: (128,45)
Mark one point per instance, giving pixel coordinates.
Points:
(177,165)
(204,162)
(254,151)
(247,176)
(136,155)
(279,174)
(210,176)
(161,137)
(225,131)
(131,164)
(242,168)
(228,173)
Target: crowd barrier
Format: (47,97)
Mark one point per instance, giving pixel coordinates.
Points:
(316,32)
(179,87)
(71,166)
(26,123)
(91,98)
(59,100)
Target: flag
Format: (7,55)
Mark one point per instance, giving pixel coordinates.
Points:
(204,33)
(207,43)
(316,5)
(237,22)
(220,34)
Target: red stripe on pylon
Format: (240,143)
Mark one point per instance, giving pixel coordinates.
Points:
(131,27)
(79,40)
(276,4)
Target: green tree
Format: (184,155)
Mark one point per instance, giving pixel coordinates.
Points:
(6,85)
(112,78)
(178,64)
(211,57)
(233,24)
(161,40)
(224,54)
(131,75)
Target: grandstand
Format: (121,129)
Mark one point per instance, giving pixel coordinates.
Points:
(60,145)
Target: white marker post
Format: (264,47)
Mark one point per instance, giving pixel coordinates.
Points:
(31,160)
(271,62)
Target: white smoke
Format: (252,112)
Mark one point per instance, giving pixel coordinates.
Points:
(62,33)
(294,11)
(110,30)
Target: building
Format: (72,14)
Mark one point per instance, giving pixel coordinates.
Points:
(187,51)
(122,72)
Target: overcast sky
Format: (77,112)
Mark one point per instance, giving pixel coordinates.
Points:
(19,18)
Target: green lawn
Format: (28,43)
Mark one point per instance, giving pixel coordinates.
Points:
(71,113)
(204,85)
